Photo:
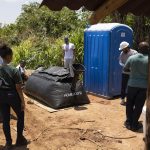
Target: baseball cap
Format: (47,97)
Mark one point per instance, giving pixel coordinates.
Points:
(123,45)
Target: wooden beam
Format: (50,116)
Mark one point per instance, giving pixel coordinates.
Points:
(105,9)
(147,140)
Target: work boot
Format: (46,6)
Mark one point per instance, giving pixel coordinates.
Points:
(8,146)
(137,127)
(21,141)
(127,125)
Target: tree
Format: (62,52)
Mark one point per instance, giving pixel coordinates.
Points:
(42,21)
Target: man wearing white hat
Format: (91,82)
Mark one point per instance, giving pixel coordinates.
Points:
(124,55)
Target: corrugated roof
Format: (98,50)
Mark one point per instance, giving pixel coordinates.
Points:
(137,7)
(57,5)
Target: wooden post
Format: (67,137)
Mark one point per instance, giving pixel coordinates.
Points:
(105,9)
(147,140)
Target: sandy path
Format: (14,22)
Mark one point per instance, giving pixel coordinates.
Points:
(80,128)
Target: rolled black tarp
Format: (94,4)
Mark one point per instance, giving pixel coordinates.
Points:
(56,88)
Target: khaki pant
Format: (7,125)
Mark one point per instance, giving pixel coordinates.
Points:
(68,65)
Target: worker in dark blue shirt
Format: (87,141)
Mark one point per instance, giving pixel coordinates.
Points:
(11,96)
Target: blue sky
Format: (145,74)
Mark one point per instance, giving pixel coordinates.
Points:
(10,9)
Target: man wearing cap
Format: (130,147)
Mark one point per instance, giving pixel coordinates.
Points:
(68,49)
(137,86)
(124,55)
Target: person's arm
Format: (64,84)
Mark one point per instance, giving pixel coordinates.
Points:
(19,90)
(127,65)
(135,52)
(121,64)
(18,82)
(120,60)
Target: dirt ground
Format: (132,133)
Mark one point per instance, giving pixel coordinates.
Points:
(97,126)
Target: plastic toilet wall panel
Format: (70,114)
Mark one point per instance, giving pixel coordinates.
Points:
(101,58)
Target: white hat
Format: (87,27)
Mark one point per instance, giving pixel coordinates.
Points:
(123,45)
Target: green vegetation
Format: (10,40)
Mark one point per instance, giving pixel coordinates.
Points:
(37,35)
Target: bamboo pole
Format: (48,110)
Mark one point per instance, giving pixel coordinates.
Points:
(105,9)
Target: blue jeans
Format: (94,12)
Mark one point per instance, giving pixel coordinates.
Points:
(11,99)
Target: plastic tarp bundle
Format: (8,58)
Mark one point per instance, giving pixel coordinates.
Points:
(54,87)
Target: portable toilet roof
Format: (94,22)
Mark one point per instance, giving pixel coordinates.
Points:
(105,26)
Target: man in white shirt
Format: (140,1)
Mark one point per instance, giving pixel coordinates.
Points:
(126,52)
(68,49)
(22,70)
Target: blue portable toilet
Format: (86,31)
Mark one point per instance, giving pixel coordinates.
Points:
(101,57)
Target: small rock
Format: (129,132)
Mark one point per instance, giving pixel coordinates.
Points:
(82,138)
(30,102)
(119,141)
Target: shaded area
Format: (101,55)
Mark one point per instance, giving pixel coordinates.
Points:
(130,6)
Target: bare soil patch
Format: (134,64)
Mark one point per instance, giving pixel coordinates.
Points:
(97,126)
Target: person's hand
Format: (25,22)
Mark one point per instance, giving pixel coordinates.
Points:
(22,106)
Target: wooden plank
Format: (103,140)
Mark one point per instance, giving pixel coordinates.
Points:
(32,101)
(51,110)
(147,140)
(105,9)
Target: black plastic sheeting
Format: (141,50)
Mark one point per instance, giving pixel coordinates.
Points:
(54,87)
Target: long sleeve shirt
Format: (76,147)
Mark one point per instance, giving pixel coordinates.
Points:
(124,57)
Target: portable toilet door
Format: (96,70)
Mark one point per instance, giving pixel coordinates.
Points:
(118,35)
(101,58)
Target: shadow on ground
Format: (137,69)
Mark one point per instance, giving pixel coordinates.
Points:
(80,108)
(15,148)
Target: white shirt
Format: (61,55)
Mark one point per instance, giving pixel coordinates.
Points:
(22,70)
(68,48)
(124,57)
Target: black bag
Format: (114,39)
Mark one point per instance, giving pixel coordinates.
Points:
(54,87)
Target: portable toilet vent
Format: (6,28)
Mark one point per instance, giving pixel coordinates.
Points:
(101,57)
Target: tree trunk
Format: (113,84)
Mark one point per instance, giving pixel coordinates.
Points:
(117,17)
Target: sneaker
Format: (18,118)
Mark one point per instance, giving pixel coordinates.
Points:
(21,141)
(138,127)
(127,125)
(123,102)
